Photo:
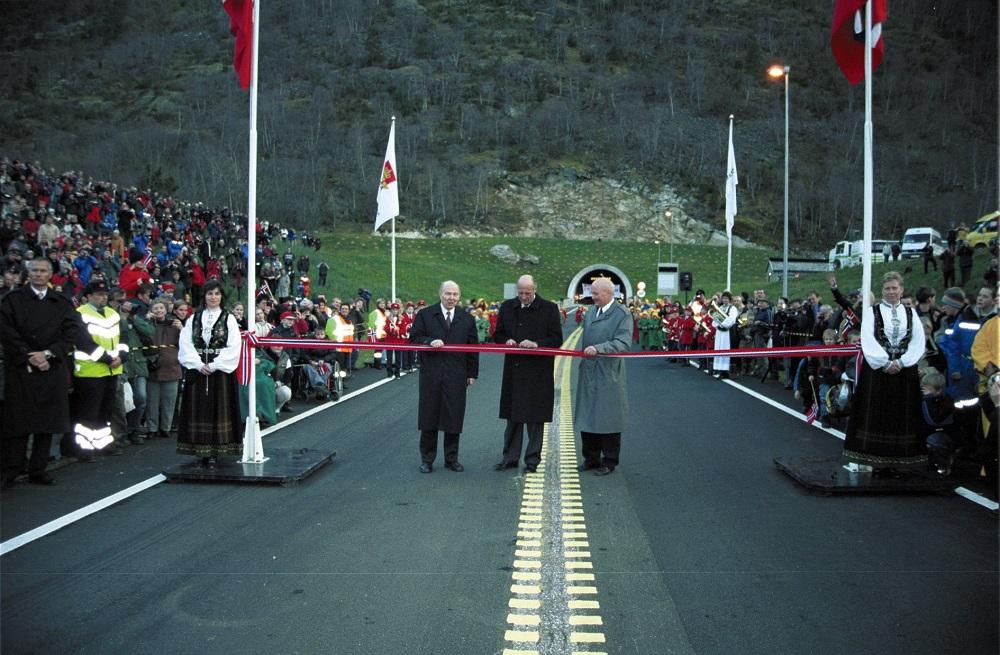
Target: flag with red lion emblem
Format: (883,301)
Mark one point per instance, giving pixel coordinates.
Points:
(388,189)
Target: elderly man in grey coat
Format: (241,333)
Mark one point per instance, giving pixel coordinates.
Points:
(601,410)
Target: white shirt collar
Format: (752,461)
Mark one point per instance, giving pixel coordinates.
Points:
(41,294)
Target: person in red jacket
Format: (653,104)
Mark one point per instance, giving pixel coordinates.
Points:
(406,321)
(134,275)
(197,281)
(395,327)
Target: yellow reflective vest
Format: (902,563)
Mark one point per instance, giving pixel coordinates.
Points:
(105,332)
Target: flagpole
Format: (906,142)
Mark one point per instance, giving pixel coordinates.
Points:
(729,227)
(392,298)
(866,275)
(253,450)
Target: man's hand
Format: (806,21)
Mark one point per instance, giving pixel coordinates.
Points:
(590,351)
(527,344)
(116,362)
(437,343)
(37,358)
(832,279)
(510,342)
(470,381)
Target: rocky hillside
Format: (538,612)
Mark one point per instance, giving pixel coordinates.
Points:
(515,116)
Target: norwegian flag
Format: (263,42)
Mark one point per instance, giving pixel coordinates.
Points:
(149,257)
(813,413)
(847,37)
(265,288)
(372,338)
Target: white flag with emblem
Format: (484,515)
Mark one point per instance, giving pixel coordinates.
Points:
(388,189)
(731,181)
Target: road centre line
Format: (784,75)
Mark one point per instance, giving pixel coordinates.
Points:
(558,553)
(68,519)
(961,491)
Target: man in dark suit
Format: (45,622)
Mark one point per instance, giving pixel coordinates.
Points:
(444,377)
(528,390)
(38,330)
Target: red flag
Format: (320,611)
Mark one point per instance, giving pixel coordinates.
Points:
(241,26)
(847,37)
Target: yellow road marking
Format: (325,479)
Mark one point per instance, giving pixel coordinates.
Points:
(581,590)
(526,576)
(527,564)
(584,605)
(526,589)
(524,603)
(585,620)
(521,636)
(586,637)
(523,619)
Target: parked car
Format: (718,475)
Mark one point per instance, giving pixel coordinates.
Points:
(983,230)
(848,253)
(916,239)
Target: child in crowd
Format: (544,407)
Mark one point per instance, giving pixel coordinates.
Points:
(938,427)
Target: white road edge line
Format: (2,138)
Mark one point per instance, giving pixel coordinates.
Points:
(48,528)
(961,491)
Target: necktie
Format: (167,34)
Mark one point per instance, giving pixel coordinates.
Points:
(600,312)
(447,320)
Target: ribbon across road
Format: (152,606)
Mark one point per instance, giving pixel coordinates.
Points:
(251,341)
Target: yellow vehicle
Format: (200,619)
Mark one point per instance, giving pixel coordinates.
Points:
(983,230)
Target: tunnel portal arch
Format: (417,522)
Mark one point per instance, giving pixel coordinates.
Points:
(579,288)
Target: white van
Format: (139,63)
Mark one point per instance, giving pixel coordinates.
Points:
(848,253)
(916,238)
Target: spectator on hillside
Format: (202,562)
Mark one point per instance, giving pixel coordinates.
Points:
(965,256)
(929,260)
(948,267)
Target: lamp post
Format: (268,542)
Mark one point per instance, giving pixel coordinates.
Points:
(670,219)
(775,72)
(657,252)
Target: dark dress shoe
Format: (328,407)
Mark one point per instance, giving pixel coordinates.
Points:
(502,466)
(455,466)
(42,478)
(586,466)
(426,468)
(605,470)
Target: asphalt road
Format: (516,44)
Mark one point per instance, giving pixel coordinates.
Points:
(698,544)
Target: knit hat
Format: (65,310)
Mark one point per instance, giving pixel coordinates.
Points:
(954,297)
(285,315)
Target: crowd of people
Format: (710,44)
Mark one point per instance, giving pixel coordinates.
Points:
(951,414)
(146,260)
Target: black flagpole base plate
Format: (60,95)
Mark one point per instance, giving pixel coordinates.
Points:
(286,467)
(827,475)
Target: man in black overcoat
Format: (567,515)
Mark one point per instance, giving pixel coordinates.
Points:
(38,329)
(528,389)
(444,377)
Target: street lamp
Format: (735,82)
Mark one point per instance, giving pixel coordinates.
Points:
(657,242)
(670,219)
(775,72)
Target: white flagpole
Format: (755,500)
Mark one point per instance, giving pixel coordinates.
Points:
(729,219)
(253,449)
(866,275)
(392,299)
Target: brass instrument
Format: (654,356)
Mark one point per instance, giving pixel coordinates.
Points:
(717,313)
(743,322)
